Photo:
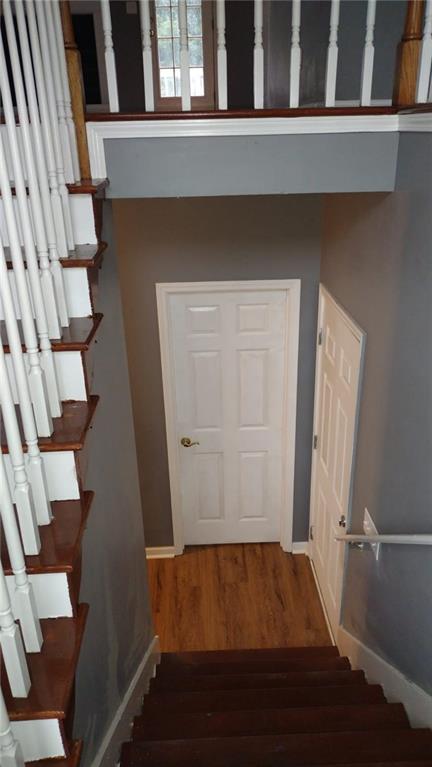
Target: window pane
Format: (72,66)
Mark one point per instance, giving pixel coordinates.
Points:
(175,23)
(196,52)
(194,21)
(163,22)
(159,3)
(197,81)
(177,82)
(167,83)
(176,46)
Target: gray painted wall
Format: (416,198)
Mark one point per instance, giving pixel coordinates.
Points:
(314,41)
(377,262)
(114,580)
(210,239)
(206,167)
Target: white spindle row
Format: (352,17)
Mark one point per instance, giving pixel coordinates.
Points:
(38,154)
(109,57)
(368,55)
(424,82)
(258,55)
(184,57)
(147,55)
(295,61)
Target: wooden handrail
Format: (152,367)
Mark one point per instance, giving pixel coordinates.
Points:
(408,55)
(73,59)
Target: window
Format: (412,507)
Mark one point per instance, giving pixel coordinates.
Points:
(166,53)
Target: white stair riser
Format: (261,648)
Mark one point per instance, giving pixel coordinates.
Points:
(77,291)
(61,475)
(83,225)
(39,738)
(70,376)
(51,592)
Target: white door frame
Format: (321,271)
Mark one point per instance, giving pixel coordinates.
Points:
(361,336)
(163,291)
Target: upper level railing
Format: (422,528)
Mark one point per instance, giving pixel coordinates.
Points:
(186,47)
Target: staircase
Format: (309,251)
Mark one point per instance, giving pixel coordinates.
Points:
(268,708)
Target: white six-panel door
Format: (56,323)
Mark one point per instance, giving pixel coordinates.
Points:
(230,390)
(336,403)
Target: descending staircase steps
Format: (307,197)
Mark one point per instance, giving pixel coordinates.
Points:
(270,708)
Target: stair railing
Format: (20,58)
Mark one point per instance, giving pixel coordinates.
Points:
(66,89)
(398,539)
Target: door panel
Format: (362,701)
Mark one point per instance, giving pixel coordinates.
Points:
(336,403)
(228,352)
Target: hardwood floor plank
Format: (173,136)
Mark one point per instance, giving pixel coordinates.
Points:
(236,596)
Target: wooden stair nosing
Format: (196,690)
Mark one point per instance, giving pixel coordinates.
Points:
(75,338)
(60,541)
(196,683)
(197,657)
(73,760)
(290,697)
(258,666)
(270,721)
(83,257)
(93,186)
(52,671)
(282,750)
(69,430)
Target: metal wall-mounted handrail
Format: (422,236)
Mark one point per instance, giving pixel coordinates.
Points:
(417,540)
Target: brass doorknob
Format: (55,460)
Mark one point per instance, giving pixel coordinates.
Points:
(187,442)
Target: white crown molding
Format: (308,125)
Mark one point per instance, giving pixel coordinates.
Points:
(397,687)
(98,132)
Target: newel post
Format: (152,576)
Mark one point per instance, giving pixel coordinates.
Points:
(408,55)
(73,59)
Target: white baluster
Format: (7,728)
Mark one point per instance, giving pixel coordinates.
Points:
(24,601)
(22,490)
(45,46)
(332,55)
(111,72)
(56,200)
(43,173)
(10,750)
(425,69)
(295,54)
(368,55)
(221,56)
(35,469)
(184,57)
(258,55)
(36,376)
(147,55)
(11,645)
(66,90)
(42,287)
(58,91)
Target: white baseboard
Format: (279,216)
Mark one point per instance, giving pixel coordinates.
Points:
(160,552)
(397,688)
(300,547)
(119,729)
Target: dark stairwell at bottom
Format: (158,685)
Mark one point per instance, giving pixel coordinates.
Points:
(270,708)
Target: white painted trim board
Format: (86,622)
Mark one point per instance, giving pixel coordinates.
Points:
(160,552)
(293,289)
(119,730)
(397,687)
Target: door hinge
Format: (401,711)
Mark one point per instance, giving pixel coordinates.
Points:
(315,441)
(311,533)
(320,338)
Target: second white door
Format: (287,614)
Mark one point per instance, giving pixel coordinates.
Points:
(232,370)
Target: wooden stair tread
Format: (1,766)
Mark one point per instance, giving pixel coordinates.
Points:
(69,430)
(193,683)
(260,666)
(94,186)
(83,256)
(290,697)
(61,540)
(231,656)
(72,760)
(75,338)
(243,113)
(269,722)
(274,751)
(52,671)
